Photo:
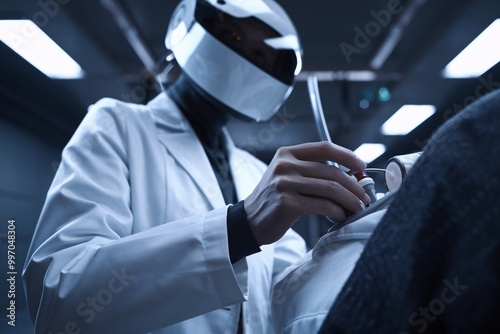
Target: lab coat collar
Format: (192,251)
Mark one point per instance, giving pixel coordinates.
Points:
(176,134)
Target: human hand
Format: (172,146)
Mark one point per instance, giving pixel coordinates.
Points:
(298,182)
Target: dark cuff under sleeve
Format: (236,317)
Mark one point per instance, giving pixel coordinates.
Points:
(240,237)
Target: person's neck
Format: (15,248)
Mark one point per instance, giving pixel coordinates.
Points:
(206,119)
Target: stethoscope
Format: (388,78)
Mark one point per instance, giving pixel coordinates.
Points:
(396,170)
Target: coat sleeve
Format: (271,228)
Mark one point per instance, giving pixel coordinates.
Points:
(87,272)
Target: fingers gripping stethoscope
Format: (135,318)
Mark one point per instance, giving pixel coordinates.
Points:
(396,168)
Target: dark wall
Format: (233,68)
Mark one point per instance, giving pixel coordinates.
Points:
(27,166)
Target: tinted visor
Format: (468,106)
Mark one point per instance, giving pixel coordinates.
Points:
(246,36)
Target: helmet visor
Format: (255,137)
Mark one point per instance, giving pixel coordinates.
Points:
(249,37)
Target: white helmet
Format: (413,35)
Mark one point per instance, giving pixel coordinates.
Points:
(244,54)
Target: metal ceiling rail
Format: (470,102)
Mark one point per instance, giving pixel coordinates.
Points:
(395,34)
(131,32)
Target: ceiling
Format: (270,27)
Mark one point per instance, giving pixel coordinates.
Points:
(433,32)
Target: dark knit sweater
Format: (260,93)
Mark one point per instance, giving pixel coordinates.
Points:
(433,263)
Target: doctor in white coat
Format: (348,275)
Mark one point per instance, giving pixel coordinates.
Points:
(155,221)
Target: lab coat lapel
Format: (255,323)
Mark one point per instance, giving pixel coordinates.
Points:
(240,170)
(175,133)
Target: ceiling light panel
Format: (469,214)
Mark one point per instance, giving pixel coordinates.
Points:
(31,43)
(406,119)
(478,57)
(370,151)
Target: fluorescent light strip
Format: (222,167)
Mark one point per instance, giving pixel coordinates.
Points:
(406,119)
(478,57)
(370,151)
(361,76)
(31,43)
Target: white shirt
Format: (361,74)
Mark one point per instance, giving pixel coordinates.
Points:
(306,291)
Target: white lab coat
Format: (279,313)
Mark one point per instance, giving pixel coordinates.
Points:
(132,237)
(303,296)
